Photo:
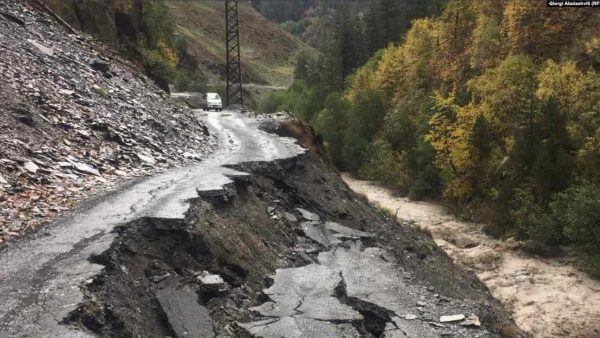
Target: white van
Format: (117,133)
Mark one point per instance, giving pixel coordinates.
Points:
(213,101)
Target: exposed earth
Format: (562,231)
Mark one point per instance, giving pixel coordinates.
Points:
(222,247)
(548,297)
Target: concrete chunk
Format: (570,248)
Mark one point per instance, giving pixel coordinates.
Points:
(319,234)
(187,317)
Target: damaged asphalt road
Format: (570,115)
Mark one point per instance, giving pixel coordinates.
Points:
(40,275)
(351,290)
(262,239)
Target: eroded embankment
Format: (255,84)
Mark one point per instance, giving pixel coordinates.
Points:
(285,271)
(548,296)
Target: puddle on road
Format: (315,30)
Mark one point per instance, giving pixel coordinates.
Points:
(548,297)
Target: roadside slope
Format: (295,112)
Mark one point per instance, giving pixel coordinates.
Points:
(76,119)
(243,254)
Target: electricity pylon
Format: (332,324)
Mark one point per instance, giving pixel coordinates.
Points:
(234,69)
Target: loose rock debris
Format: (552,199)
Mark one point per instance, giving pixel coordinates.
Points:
(76,120)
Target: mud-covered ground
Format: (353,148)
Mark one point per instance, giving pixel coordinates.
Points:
(253,237)
(548,296)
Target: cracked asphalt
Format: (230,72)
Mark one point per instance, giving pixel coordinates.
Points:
(350,283)
(41,274)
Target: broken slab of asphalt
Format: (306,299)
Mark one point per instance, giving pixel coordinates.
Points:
(355,273)
(41,276)
(380,280)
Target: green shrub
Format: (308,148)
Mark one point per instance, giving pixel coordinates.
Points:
(270,103)
(572,216)
(382,164)
(190,81)
(159,66)
(293,27)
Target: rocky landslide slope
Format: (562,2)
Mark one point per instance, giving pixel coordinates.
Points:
(76,119)
(286,251)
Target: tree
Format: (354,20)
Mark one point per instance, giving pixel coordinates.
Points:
(331,122)
(364,120)
(301,70)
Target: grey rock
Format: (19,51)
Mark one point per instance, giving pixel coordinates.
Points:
(31,167)
(207,278)
(191,156)
(23,113)
(100,66)
(120,173)
(160,278)
(187,317)
(307,215)
(3,180)
(42,48)
(316,232)
(345,232)
(84,168)
(471,320)
(148,159)
(290,217)
(65,165)
(13,18)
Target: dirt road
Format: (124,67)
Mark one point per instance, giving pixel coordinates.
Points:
(549,297)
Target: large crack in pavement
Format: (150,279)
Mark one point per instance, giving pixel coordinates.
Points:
(353,284)
(41,274)
(261,240)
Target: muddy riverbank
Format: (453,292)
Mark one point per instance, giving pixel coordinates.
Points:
(548,297)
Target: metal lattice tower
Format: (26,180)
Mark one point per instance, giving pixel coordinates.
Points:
(234,68)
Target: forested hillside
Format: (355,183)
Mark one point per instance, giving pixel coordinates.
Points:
(380,21)
(491,106)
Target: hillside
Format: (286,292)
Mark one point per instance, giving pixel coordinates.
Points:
(136,27)
(76,120)
(268,53)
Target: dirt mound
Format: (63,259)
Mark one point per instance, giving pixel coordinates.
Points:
(76,119)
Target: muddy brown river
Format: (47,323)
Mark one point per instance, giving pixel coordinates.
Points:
(548,297)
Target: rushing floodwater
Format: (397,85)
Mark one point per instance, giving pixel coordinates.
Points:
(548,297)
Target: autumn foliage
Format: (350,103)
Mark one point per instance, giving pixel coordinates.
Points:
(493,107)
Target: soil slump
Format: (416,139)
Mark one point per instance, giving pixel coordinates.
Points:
(549,297)
(372,272)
